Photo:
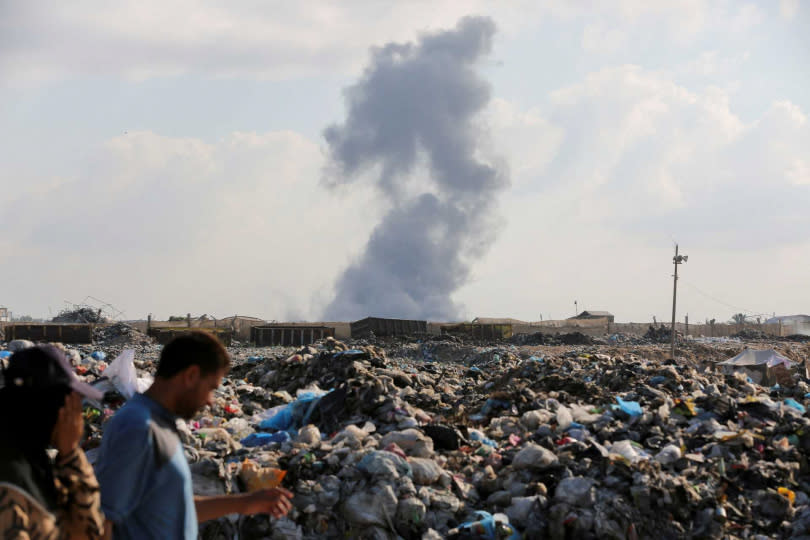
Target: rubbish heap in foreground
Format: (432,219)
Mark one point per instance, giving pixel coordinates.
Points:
(433,438)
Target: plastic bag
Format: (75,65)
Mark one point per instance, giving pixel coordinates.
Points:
(668,455)
(564,418)
(257,478)
(790,402)
(629,451)
(489,527)
(122,373)
(262,439)
(293,415)
(631,408)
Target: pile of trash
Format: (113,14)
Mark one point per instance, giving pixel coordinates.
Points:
(539,338)
(599,441)
(119,334)
(80,315)
(749,334)
(661,334)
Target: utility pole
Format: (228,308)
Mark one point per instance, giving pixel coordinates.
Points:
(676,260)
(576,311)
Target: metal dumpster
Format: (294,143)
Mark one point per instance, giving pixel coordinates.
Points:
(165,335)
(479,331)
(288,335)
(56,332)
(387,327)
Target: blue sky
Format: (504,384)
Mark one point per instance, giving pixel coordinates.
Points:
(169,159)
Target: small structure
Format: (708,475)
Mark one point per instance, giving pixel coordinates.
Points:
(387,327)
(5,314)
(590,314)
(478,330)
(766,367)
(62,333)
(165,335)
(792,324)
(289,334)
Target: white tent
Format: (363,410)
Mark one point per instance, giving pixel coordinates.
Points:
(763,366)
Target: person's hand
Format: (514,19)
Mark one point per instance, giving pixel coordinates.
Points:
(69,426)
(275,502)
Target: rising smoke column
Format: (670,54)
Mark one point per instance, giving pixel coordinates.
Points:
(416,106)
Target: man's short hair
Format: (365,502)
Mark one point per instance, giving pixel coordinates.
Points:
(196,348)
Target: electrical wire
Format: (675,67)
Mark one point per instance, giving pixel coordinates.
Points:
(737,308)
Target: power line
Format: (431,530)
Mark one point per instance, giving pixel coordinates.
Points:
(707,295)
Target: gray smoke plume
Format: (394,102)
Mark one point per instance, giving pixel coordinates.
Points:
(416,105)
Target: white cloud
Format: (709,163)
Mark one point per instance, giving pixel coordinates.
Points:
(44,41)
(788,8)
(746,18)
(166,224)
(601,39)
(637,160)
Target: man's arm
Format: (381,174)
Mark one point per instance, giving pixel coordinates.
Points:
(275,502)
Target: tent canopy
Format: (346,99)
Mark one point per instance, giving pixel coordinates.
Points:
(750,357)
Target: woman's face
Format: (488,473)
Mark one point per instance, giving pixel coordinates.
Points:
(56,424)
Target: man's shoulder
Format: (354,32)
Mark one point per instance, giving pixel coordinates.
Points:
(132,418)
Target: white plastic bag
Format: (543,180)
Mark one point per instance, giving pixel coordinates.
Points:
(122,373)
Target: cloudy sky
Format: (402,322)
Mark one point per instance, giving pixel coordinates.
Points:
(170,157)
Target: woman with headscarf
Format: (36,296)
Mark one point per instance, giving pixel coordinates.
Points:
(41,407)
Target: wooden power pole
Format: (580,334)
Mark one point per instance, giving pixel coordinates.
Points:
(676,260)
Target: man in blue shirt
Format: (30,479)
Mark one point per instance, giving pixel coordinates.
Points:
(146,489)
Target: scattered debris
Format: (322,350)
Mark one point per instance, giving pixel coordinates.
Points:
(80,315)
(418,438)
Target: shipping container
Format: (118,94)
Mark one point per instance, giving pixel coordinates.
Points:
(479,331)
(387,327)
(289,335)
(55,332)
(165,335)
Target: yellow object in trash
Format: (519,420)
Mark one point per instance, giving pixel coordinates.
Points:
(788,494)
(257,478)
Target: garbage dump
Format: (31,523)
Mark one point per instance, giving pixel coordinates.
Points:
(80,314)
(661,334)
(419,438)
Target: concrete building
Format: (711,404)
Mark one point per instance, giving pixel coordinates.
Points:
(792,324)
(590,314)
(5,314)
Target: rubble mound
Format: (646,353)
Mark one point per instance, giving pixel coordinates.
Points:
(751,334)
(383,440)
(539,338)
(83,315)
(119,334)
(662,334)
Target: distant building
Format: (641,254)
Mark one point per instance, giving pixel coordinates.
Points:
(792,324)
(595,315)
(789,319)
(5,315)
(499,320)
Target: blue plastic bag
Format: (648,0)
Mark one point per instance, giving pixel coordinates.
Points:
(261,439)
(5,354)
(478,436)
(98,355)
(629,407)
(294,415)
(485,528)
(280,418)
(790,402)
